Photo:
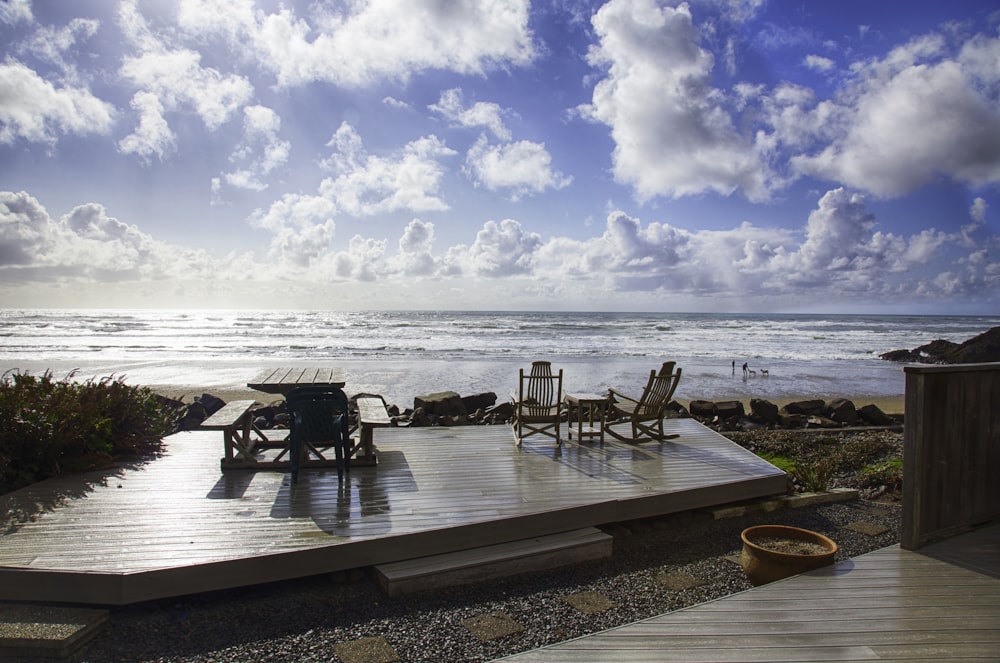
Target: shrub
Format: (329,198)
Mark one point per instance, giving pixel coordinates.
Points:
(50,427)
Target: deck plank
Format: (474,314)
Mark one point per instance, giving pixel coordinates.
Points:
(434,491)
(928,605)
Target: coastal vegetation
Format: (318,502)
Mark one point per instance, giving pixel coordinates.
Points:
(51,427)
(870,461)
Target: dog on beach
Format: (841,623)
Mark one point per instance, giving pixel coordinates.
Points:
(763,371)
(751,371)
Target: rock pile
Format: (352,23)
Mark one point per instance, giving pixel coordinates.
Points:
(448,408)
(815,413)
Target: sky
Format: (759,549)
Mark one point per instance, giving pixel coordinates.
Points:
(628,155)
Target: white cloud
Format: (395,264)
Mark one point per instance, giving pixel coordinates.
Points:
(367,184)
(818,63)
(916,116)
(978,210)
(152,135)
(35,110)
(16,11)
(416,257)
(481,114)
(503,249)
(357,44)
(523,167)
(261,147)
(672,135)
(176,77)
(86,245)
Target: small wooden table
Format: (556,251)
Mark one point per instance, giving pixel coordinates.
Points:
(283,380)
(590,403)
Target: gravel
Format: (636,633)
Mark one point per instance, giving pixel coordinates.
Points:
(659,565)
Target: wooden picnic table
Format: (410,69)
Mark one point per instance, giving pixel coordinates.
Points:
(283,380)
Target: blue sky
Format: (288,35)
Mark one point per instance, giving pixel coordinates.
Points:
(711,155)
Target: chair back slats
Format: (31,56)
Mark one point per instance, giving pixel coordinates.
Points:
(540,393)
(659,390)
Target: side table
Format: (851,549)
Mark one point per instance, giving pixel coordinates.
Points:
(590,403)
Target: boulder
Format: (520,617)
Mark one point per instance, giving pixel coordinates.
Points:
(212,404)
(843,411)
(763,411)
(479,401)
(444,403)
(792,420)
(808,408)
(702,409)
(874,416)
(727,410)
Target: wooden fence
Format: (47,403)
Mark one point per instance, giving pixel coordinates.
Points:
(951,451)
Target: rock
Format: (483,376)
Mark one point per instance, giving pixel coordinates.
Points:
(703,409)
(727,410)
(816,421)
(444,403)
(982,348)
(211,403)
(479,401)
(979,349)
(874,416)
(503,410)
(810,407)
(763,411)
(843,411)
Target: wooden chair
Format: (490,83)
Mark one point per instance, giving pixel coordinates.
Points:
(318,421)
(645,414)
(538,403)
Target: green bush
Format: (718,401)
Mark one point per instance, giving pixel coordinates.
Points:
(51,427)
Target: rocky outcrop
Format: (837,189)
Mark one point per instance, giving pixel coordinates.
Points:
(979,349)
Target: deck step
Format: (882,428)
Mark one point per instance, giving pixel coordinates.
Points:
(496,561)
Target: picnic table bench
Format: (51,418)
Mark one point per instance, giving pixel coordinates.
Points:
(371,415)
(235,420)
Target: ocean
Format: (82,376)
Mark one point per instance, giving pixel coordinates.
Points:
(405,354)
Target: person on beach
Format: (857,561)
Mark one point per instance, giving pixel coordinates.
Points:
(746,369)
(734,367)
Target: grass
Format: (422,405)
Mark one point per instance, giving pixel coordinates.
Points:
(52,427)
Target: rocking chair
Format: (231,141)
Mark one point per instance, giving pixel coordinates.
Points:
(645,414)
(538,405)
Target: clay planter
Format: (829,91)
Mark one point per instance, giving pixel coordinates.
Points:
(769,552)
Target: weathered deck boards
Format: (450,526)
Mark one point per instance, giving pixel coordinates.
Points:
(178,525)
(889,605)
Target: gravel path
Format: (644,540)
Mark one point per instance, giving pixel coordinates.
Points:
(659,565)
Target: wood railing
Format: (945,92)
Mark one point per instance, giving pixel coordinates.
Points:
(951,451)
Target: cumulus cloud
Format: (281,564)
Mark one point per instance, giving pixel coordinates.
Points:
(36,110)
(502,249)
(368,184)
(818,63)
(261,149)
(523,167)
(152,137)
(915,116)
(176,78)
(356,44)
(416,257)
(85,244)
(480,114)
(672,133)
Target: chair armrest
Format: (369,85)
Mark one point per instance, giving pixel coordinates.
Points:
(622,396)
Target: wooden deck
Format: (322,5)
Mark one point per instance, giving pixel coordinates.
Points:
(178,525)
(939,603)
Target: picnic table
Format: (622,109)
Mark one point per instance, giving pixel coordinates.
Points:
(283,380)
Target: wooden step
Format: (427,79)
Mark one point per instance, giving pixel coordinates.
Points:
(496,561)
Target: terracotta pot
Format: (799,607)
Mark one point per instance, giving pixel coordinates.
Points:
(763,565)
